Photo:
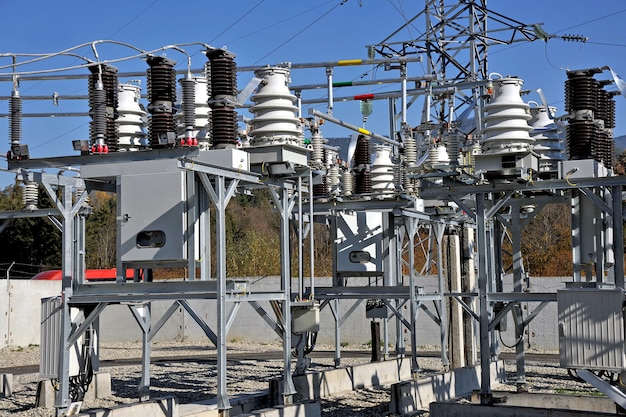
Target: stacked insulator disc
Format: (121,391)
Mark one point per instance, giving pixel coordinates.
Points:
(362,174)
(453,148)
(549,138)
(223,80)
(347,180)
(161,78)
(103,102)
(317,143)
(437,156)
(321,189)
(506,120)
(581,91)
(15,118)
(30,195)
(130,121)
(592,116)
(362,152)
(581,134)
(199,107)
(410,150)
(188,104)
(275,115)
(332,179)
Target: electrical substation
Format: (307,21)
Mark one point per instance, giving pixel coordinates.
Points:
(480,162)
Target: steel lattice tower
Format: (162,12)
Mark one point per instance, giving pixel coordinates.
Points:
(455,42)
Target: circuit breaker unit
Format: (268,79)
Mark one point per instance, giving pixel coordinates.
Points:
(154,199)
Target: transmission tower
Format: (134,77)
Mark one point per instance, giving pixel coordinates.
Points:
(455,43)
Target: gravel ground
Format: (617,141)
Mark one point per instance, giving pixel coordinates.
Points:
(191,381)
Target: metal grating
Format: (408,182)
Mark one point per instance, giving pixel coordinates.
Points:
(591,328)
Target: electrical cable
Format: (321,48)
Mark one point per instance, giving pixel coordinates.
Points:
(291,18)
(592,20)
(60,136)
(236,21)
(133,19)
(300,31)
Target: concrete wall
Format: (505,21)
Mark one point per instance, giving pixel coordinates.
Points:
(20,308)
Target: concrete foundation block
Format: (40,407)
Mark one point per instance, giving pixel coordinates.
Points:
(241,405)
(445,409)
(342,380)
(556,401)
(198,410)
(412,396)
(7,385)
(46,394)
(309,409)
(163,407)
(100,386)
(381,373)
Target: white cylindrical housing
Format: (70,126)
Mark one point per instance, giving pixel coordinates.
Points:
(275,115)
(131,119)
(506,120)
(382,170)
(549,137)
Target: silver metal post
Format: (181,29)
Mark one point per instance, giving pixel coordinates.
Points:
(485,357)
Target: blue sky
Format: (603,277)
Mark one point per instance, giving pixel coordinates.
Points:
(268,32)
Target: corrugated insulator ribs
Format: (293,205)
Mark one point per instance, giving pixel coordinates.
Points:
(362,168)
(223,82)
(103,86)
(15,118)
(161,78)
(592,116)
(188,106)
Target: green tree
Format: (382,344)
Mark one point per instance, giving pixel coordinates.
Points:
(100,231)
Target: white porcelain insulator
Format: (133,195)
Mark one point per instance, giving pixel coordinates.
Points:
(275,115)
(549,138)
(410,150)
(506,120)
(382,170)
(347,180)
(131,122)
(30,195)
(317,142)
(202,121)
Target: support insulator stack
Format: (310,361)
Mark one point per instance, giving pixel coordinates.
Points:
(103,103)
(223,80)
(549,139)
(592,117)
(130,123)
(275,115)
(161,95)
(30,195)
(362,173)
(188,106)
(382,171)
(15,121)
